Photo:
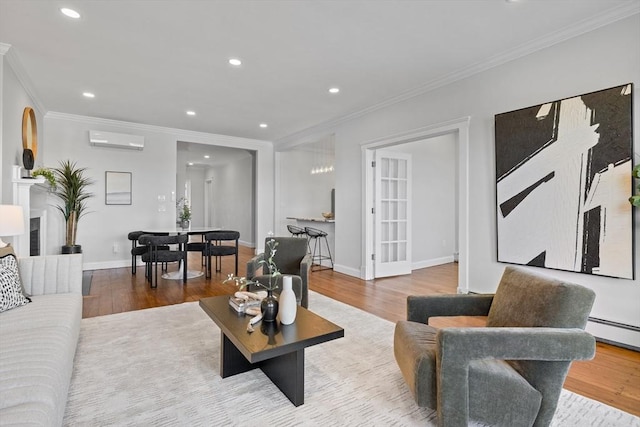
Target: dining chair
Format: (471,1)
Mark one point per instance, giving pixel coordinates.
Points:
(193,246)
(136,250)
(156,253)
(139,249)
(216,248)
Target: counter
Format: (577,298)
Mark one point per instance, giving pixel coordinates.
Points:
(312,219)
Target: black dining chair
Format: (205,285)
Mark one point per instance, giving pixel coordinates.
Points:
(194,246)
(139,249)
(157,254)
(136,250)
(216,248)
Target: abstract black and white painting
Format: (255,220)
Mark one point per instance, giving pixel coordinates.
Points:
(563,179)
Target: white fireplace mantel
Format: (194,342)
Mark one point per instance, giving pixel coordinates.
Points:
(22,197)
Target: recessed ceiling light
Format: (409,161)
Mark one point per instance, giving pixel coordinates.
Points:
(264,125)
(206,156)
(334,90)
(191,113)
(190,163)
(235,61)
(70,13)
(88,95)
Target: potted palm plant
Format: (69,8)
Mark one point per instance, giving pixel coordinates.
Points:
(71,189)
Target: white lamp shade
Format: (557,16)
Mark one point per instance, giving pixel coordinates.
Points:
(11,220)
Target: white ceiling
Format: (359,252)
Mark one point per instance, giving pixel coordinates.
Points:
(150,61)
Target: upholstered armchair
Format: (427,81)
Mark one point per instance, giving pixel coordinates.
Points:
(509,373)
(291,257)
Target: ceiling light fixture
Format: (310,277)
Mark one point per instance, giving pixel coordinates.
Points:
(88,95)
(264,125)
(334,90)
(70,13)
(190,163)
(191,113)
(206,156)
(235,62)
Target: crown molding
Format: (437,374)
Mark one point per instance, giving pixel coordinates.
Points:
(624,11)
(16,65)
(179,134)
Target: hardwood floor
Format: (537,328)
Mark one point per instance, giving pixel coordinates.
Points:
(612,377)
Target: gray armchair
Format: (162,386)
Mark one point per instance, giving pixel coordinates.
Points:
(509,373)
(291,258)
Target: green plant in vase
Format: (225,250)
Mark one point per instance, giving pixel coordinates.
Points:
(635,200)
(184,212)
(72,190)
(46,174)
(269,306)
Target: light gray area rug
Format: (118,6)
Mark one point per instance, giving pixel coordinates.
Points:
(160,367)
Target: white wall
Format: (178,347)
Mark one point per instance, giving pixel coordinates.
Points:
(300,193)
(232,204)
(433,200)
(14,98)
(154,175)
(606,57)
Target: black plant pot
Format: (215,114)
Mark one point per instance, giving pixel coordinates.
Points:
(73,249)
(269,308)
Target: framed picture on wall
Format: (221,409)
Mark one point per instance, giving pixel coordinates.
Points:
(563,180)
(117,188)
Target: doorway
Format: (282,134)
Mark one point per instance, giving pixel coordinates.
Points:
(219,183)
(458,128)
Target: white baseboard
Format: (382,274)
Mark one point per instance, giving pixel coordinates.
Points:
(432,262)
(346,270)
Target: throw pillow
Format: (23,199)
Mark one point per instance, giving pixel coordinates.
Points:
(10,288)
(6,250)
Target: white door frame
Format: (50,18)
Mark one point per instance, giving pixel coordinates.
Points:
(461,128)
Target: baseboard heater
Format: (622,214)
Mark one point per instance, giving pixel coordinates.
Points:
(616,325)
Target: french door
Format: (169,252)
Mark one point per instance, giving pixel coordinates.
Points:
(392,213)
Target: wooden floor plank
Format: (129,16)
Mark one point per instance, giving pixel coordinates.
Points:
(612,377)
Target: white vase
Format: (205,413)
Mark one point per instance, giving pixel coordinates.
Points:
(288,304)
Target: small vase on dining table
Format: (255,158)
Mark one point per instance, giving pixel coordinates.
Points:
(269,307)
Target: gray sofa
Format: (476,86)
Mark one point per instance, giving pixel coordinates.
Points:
(38,342)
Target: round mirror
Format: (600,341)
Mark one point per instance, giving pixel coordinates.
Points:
(29,131)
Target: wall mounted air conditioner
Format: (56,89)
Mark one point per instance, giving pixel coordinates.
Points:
(116,140)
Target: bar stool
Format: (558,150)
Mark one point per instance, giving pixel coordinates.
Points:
(317,257)
(296,231)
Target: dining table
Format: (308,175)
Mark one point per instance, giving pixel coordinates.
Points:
(192,231)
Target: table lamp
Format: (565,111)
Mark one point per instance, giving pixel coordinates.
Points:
(11,222)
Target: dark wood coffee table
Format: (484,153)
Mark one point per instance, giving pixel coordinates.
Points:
(275,348)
